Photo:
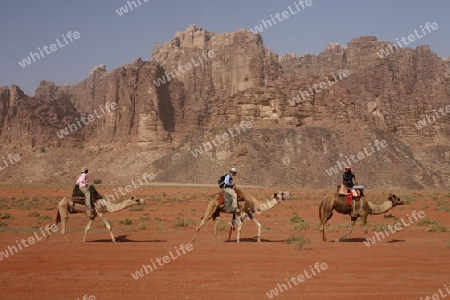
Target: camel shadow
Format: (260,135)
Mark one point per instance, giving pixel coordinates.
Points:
(255,240)
(362,240)
(351,240)
(125,239)
(396,241)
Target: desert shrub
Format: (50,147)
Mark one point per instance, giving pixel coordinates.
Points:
(299,242)
(427,222)
(126,222)
(141,226)
(300,224)
(436,228)
(5,216)
(379,227)
(296,219)
(184,223)
(222,225)
(34,214)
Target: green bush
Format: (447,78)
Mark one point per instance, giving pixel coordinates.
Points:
(184,223)
(300,242)
(5,216)
(126,222)
(427,222)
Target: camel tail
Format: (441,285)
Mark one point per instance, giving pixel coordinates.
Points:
(58,214)
(57,218)
(320,210)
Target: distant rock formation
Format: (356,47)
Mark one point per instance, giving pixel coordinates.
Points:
(157,125)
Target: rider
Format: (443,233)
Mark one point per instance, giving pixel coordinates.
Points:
(229,188)
(83,183)
(349,180)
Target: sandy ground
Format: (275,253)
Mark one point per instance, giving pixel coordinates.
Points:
(408,264)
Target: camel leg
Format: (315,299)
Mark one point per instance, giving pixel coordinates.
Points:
(216,223)
(233,220)
(86,229)
(364,220)
(349,230)
(202,222)
(208,215)
(259,229)
(63,209)
(239,227)
(63,228)
(108,227)
(324,217)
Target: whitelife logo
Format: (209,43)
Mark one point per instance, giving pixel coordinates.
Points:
(300,278)
(27,61)
(393,229)
(165,260)
(187,67)
(342,74)
(11,157)
(124,9)
(411,38)
(221,138)
(432,118)
(31,240)
(360,156)
(283,16)
(90,118)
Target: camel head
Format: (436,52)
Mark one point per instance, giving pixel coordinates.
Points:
(138,201)
(281,196)
(395,200)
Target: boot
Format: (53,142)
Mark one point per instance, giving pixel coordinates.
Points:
(353,213)
(89,212)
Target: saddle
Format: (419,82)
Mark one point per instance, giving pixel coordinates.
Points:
(79,198)
(356,191)
(240,196)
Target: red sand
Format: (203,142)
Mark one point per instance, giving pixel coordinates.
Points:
(409,264)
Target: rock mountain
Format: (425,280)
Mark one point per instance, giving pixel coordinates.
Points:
(156,127)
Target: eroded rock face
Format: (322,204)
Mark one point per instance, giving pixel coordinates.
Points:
(201,84)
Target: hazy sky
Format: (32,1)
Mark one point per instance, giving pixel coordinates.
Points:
(113,40)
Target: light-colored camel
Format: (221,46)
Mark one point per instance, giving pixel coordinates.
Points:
(102,206)
(364,208)
(248,206)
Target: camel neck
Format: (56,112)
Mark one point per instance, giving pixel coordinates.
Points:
(113,207)
(381,208)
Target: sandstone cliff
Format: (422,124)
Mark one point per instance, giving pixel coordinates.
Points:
(157,126)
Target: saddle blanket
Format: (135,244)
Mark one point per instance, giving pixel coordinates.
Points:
(356,193)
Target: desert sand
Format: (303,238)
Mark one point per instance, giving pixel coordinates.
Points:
(408,264)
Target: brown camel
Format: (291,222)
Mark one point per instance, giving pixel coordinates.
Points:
(247,204)
(101,208)
(364,208)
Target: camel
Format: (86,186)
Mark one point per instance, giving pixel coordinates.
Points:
(247,204)
(101,208)
(364,208)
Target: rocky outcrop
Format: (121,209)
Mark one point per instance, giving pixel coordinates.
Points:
(306,113)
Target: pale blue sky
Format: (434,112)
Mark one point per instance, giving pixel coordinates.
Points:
(113,40)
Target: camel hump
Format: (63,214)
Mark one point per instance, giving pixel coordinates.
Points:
(221,199)
(239,194)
